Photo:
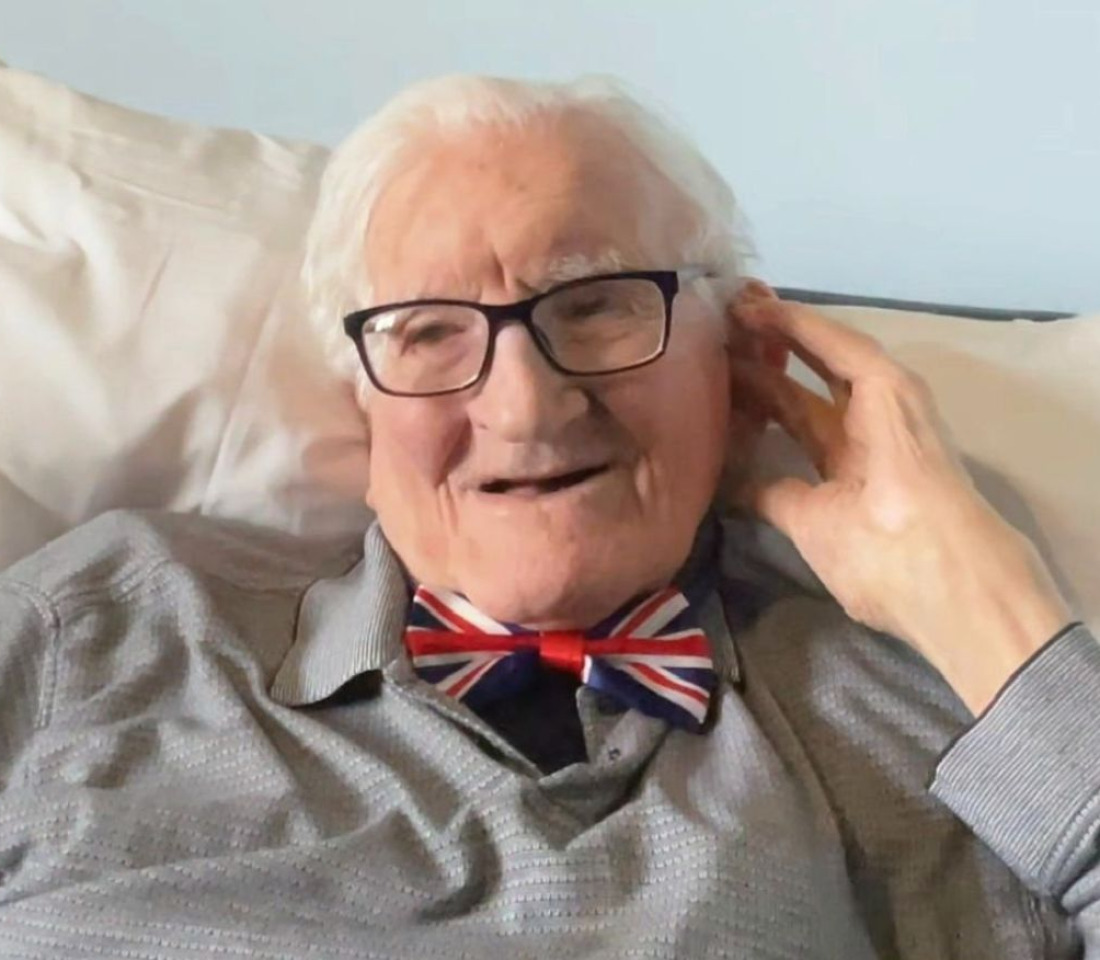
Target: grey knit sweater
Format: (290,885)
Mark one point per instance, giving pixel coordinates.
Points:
(212,744)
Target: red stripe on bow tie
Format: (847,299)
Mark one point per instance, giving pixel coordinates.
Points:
(645,611)
(424,642)
(459,688)
(696,695)
(563,651)
(445,613)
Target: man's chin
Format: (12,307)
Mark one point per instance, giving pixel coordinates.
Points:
(545,584)
(576,611)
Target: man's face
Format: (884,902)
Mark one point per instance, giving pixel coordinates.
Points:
(463,484)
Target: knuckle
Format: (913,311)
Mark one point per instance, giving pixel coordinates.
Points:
(902,380)
(872,344)
(915,386)
(877,361)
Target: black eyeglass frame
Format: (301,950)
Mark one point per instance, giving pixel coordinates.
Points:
(669,282)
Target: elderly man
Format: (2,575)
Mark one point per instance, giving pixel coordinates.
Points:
(564,704)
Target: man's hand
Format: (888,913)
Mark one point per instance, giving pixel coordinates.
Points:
(896,529)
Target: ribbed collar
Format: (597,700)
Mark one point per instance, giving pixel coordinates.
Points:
(346,626)
(355,623)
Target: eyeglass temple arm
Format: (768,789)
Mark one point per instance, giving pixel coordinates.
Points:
(695,271)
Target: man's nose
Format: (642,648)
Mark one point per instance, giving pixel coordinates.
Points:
(523,398)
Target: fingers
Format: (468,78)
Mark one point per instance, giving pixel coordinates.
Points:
(836,353)
(813,422)
(839,389)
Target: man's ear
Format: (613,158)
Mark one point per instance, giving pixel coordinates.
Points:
(748,422)
(362,391)
(751,346)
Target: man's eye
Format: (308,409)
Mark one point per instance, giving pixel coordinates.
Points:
(586,309)
(426,334)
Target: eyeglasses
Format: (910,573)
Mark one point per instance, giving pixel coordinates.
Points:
(596,325)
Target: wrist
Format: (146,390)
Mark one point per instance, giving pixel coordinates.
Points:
(995,656)
(992,630)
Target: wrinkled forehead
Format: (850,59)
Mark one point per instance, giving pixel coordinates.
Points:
(496,212)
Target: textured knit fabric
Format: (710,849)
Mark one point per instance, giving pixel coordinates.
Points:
(212,744)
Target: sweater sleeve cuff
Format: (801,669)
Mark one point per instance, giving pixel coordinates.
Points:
(1025,777)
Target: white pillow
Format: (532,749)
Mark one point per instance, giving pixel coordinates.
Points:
(153,348)
(154,352)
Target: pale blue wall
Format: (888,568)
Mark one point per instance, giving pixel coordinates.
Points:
(933,149)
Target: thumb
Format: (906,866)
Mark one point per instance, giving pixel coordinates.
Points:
(780,502)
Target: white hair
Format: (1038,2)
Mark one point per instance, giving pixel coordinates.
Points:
(335,265)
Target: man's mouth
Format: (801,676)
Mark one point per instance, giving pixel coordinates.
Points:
(529,486)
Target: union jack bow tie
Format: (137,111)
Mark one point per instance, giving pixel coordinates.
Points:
(649,656)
